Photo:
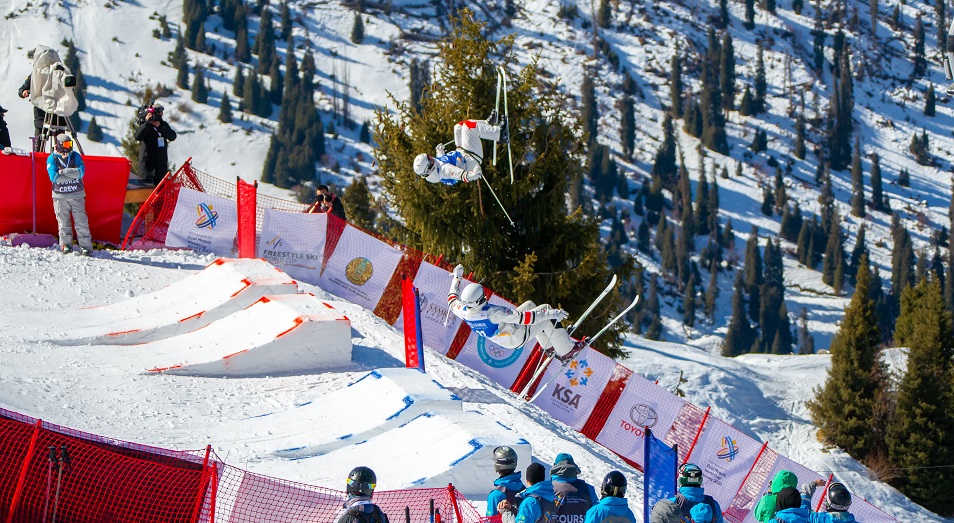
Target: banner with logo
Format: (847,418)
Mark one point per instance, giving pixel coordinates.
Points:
(360,268)
(642,404)
(497,363)
(432,285)
(725,455)
(744,503)
(204,223)
(294,242)
(571,397)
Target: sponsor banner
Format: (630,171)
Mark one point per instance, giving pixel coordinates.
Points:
(725,455)
(360,268)
(571,397)
(294,242)
(439,326)
(498,363)
(865,512)
(642,404)
(804,475)
(204,223)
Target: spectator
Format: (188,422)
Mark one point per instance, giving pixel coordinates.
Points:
(765,509)
(358,507)
(503,498)
(577,495)
(837,502)
(154,134)
(613,507)
(4,132)
(329,202)
(788,507)
(666,511)
(691,493)
(66,170)
(537,505)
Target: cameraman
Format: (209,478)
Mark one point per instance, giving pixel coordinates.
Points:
(154,134)
(329,202)
(39,115)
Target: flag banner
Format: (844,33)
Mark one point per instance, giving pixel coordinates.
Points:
(204,223)
(246,196)
(438,325)
(294,242)
(413,345)
(725,456)
(572,396)
(360,268)
(498,363)
(742,511)
(659,475)
(642,404)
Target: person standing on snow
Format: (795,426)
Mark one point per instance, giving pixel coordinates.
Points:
(358,507)
(66,170)
(789,508)
(666,511)
(837,502)
(575,495)
(462,165)
(765,509)
(154,135)
(503,498)
(691,493)
(510,328)
(537,505)
(613,507)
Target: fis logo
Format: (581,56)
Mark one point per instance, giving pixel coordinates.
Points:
(207,218)
(729,449)
(275,242)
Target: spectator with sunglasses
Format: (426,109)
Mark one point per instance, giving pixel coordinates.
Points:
(154,135)
(359,508)
(463,164)
(66,170)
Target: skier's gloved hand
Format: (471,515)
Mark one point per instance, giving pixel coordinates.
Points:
(459,271)
(557,314)
(807,490)
(473,174)
(439,150)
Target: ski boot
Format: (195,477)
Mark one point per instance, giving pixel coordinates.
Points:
(86,252)
(492,119)
(66,249)
(504,130)
(577,348)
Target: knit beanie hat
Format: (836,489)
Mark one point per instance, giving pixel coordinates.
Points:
(787,498)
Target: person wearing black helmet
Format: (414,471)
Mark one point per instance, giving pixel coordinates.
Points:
(837,502)
(503,498)
(154,135)
(691,493)
(612,508)
(359,508)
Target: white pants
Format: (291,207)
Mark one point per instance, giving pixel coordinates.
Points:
(77,207)
(546,333)
(467,136)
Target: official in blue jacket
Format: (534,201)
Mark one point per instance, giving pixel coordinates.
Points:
(837,501)
(788,507)
(537,498)
(613,508)
(691,493)
(508,485)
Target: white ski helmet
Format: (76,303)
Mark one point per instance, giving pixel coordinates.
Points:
(423,164)
(473,295)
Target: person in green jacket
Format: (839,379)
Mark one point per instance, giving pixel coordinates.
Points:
(765,510)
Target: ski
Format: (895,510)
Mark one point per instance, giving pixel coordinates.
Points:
(503,74)
(588,343)
(579,321)
(493,159)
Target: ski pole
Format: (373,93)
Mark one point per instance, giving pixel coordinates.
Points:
(64,460)
(49,481)
(407,514)
(437,515)
(498,201)
(432,510)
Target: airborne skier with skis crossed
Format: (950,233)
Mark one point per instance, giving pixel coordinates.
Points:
(463,164)
(507,327)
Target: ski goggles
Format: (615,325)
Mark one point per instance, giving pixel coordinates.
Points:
(361,483)
(430,163)
(68,144)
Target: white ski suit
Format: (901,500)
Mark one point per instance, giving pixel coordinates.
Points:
(512,328)
(463,165)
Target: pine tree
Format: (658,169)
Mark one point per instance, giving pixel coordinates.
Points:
(902,259)
(753,274)
(358,203)
(200,93)
(792,222)
(654,330)
(740,335)
(803,245)
(604,15)
(590,109)
(490,244)
(834,255)
(873,13)
(627,126)
(920,62)
(761,86)
(844,407)
(877,197)
(768,200)
(776,336)
(364,135)
(702,211)
(727,71)
(713,120)
(840,115)
(357,30)
(265,42)
(857,182)
(276,84)
(642,238)
(712,292)
(238,82)
(749,22)
(818,41)
(200,39)
(800,137)
(806,342)
(675,84)
(920,435)
(724,13)
(182,78)
(243,51)
(94,132)
(225,109)
(286,27)
(929,102)
(664,165)
(860,250)
(746,106)
(693,123)
(689,302)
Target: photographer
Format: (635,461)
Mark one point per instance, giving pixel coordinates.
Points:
(49,89)
(4,132)
(329,202)
(66,170)
(154,134)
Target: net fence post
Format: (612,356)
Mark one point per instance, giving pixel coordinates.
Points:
(200,495)
(452,492)
(23,470)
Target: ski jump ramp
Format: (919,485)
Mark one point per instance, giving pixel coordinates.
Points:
(401,416)
(225,287)
(282,334)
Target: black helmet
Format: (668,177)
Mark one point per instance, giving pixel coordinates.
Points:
(690,475)
(614,484)
(505,460)
(838,499)
(361,482)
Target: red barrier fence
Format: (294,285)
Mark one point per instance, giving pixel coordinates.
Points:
(105,181)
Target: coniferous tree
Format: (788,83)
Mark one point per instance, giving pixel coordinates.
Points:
(286,25)
(749,22)
(654,330)
(724,13)
(776,336)
(768,200)
(642,238)
(902,260)
(920,62)
(746,106)
(702,210)
(712,292)
(358,203)
(904,178)
(94,132)
(710,103)
(364,135)
(200,93)
(760,84)
(357,30)
(402,133)
(265,42)
(182,77)
(860,250)
(803,245)
(806,342)
(243,52)
(200,39)
(792,223)
(800,137)
(276,84)
(844,407)
(727,71)
(873,13)
(857,182)
(590,109)
(740,335)
(929,101)
(920,434)
(627,126)
(840,115)
(692,123)
(759,141)
(833,268)
(818,41)
(675,84)
(664,165)
(753,274)
(225,109)
(238,82)
(689,302)
(877,197)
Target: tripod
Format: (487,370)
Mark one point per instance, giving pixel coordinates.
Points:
(53,126)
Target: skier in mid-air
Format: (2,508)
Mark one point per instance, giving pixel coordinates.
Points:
(507,327)
(463,164)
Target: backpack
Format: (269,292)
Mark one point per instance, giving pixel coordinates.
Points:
(376,516)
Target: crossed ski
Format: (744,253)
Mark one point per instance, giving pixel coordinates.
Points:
(502,87)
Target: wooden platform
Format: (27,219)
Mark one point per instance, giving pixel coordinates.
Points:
(137,194)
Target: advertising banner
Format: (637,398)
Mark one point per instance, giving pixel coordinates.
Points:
(294,242)
(642,404)
(360,268)
(804,475)
(439,325)
(725,455)
(571,397)
(498,363)
(204,223)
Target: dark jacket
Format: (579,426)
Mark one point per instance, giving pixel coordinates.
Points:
(362,510)
(153,159)
(337,208)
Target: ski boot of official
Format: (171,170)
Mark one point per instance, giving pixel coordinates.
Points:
(577,348)
(492,119)
(66,249)
(504,130)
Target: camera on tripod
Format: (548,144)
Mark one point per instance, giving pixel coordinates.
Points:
(52,83)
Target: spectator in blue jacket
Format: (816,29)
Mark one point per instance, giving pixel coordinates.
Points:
(788,507)
(537,505)
(612,508)
(837,502)
(691,493)
(504,495)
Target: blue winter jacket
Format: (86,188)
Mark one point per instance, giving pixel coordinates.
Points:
(529,511)
(72,160)
(698,495)
(594,497)
(793,515)
(510,482)
(826,517)
(609,506)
